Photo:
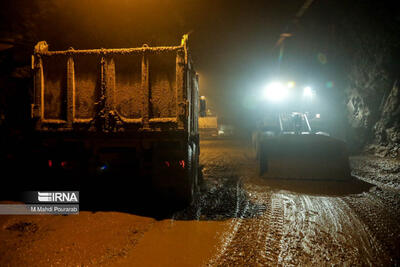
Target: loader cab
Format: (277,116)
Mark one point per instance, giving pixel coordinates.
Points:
(294,123)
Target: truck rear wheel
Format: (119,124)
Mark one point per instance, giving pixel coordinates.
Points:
(176,175)
(188,192)
(191,187)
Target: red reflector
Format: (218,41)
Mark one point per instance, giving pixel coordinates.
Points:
(182,163)
(167,163)
(50,162)
(63,163)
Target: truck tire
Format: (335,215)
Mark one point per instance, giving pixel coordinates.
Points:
(188,198)
(190,186)
(186,189)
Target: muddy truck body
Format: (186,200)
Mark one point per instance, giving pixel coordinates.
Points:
(126,111)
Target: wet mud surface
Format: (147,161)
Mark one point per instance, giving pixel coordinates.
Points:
(239,219)
(290,222)
(384,172)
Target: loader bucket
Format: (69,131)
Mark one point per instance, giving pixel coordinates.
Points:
(308,156)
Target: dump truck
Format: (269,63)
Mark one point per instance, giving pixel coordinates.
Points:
(287,147)
(131,111)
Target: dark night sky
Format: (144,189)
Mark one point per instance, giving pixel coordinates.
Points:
(232,42)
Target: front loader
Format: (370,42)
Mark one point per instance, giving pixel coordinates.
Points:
(290,149)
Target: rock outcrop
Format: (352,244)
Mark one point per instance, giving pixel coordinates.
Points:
(387,129)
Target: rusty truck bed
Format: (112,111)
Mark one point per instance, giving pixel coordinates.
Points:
(114,90)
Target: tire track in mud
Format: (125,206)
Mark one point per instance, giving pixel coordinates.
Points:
(233,228)
(297,229)
(244,246)
(223,198)
(382,219)
(321,229)
(257,240)
(283,228)
(369,250)
(274,235)
(243,243)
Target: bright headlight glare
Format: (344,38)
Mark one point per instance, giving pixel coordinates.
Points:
(291,84)
(308,92)
(275,91)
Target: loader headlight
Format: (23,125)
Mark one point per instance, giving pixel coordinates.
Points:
(275,91)
(308,92)
(291,84)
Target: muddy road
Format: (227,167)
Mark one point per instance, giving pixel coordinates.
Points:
(286,222)
(239,219)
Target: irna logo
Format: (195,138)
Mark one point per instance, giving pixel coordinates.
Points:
(69,197)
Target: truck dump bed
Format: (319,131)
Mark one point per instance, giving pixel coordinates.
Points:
(112,90)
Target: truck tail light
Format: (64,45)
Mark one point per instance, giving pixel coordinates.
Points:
(174,163)
(182,163)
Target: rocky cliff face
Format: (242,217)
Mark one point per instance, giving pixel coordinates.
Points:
(386,131)
(368,45)
(375,123)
